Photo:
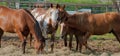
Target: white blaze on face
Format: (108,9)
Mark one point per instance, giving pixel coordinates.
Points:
(54,16)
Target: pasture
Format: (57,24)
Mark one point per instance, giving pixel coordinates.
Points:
(105,45)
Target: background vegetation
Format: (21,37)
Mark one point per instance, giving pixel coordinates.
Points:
(3,4)
(83,1)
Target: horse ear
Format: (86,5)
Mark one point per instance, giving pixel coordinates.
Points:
(64,6)
(51,5)
(57,6)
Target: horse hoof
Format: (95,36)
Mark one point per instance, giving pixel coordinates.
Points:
(23,51)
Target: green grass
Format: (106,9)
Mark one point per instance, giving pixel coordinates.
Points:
(80,1)
(3,4)
(105,36)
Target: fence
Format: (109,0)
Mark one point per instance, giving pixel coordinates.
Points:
(96,8)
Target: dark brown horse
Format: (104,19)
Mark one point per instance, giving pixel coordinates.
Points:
(21,22)
(70,30)
(66,30)
(93,24)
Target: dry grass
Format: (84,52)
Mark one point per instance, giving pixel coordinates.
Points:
(103,47)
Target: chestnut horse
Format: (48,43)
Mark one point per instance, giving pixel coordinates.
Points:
(48,21)
(93,24)
(66,30)
(20,21)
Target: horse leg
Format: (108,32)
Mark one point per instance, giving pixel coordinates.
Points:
(52,41)
(80,40)
(65,40)
(22,39)
(85,38)
(117,35)
(30,40)
(1,33)
(77,40)
(70,41)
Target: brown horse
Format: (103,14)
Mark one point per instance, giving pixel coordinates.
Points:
(66,30)
(21,22)
(70,30)
(93,24)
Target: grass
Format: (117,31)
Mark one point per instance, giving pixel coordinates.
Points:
(105,36)
(3,4)
(80,1)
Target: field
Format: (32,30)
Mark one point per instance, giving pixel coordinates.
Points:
(105,45)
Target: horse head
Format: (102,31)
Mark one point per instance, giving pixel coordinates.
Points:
(62,14)
(52,15)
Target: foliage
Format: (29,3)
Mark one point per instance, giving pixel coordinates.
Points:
(3,3)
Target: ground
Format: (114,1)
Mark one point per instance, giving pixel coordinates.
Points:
(103,47)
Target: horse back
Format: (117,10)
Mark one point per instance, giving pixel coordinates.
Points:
(6,19)
(104,22)
(11,19)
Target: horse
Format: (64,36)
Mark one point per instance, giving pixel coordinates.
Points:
(48,21)
(22,22)
(66,30)
(36,12)
(93,24)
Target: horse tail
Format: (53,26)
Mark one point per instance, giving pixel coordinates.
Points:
(37,28)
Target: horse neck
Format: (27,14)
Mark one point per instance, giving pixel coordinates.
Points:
(67,14)
(34,26)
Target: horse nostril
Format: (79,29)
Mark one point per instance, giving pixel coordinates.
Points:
(58,19)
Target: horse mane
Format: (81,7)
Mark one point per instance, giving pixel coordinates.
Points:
(48,11)
(66,16)
(30,14)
